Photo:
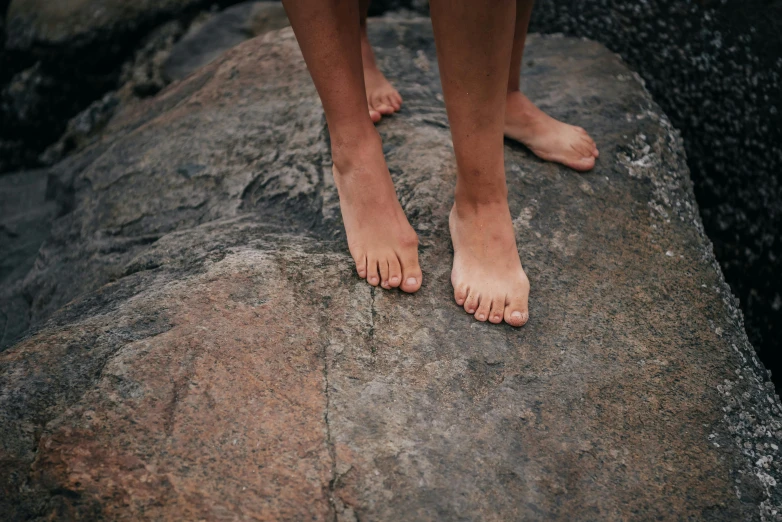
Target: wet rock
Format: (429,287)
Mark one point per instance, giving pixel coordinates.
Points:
(225,30)
(201,347)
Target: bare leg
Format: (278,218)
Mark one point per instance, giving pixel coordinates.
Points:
(381,241)
(546,137)
(473,49)
(382,98)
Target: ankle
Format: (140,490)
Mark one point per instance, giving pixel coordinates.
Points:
(354,147)
(518,101)
(466,200)
(367,54)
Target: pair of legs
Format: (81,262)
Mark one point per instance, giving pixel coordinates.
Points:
(546,137)
(475,44)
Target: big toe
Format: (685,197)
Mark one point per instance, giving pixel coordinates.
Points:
(391,100)
(460,293)
(582,164)
(379,104)
(374,115)
(411,273)
(516,311)
(516,317)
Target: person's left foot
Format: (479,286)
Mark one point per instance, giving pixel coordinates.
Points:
(382,98)
(547,138)
(487,277)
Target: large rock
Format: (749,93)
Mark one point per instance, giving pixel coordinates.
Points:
(201,347)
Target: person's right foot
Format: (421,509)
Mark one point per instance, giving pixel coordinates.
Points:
(547,138)
(487,277)
(382,98)
(381,240)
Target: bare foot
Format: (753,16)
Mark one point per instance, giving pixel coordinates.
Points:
(381,240)
(546,137)
(487,276)
(382,98)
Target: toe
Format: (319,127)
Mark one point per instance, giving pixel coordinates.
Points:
(471,303)
(361,265)
(583,164)
(391,100)
(497,311)
(460,294)
(373,277)
(394,272)
(484,307)
(385,109)
(380,105)
(515,317)
(374,115)
(584,147)
(516,311)
(383,268)
(411,271)
(398,99)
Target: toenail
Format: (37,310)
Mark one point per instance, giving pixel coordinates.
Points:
(394,280)
(470,311)
(412,281)
(481,317)
(516,316)
(373,280)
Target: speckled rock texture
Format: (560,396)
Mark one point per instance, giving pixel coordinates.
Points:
(201,347)
(715,67)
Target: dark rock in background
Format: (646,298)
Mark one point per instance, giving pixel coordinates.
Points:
(716,69)
(26,215)
(220,33)
(70,27)
(70,53)
(62,56)
(201,347)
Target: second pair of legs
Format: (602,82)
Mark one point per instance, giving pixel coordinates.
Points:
(475,48)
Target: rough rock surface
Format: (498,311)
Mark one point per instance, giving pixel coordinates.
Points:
(715,67)
(201,347)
